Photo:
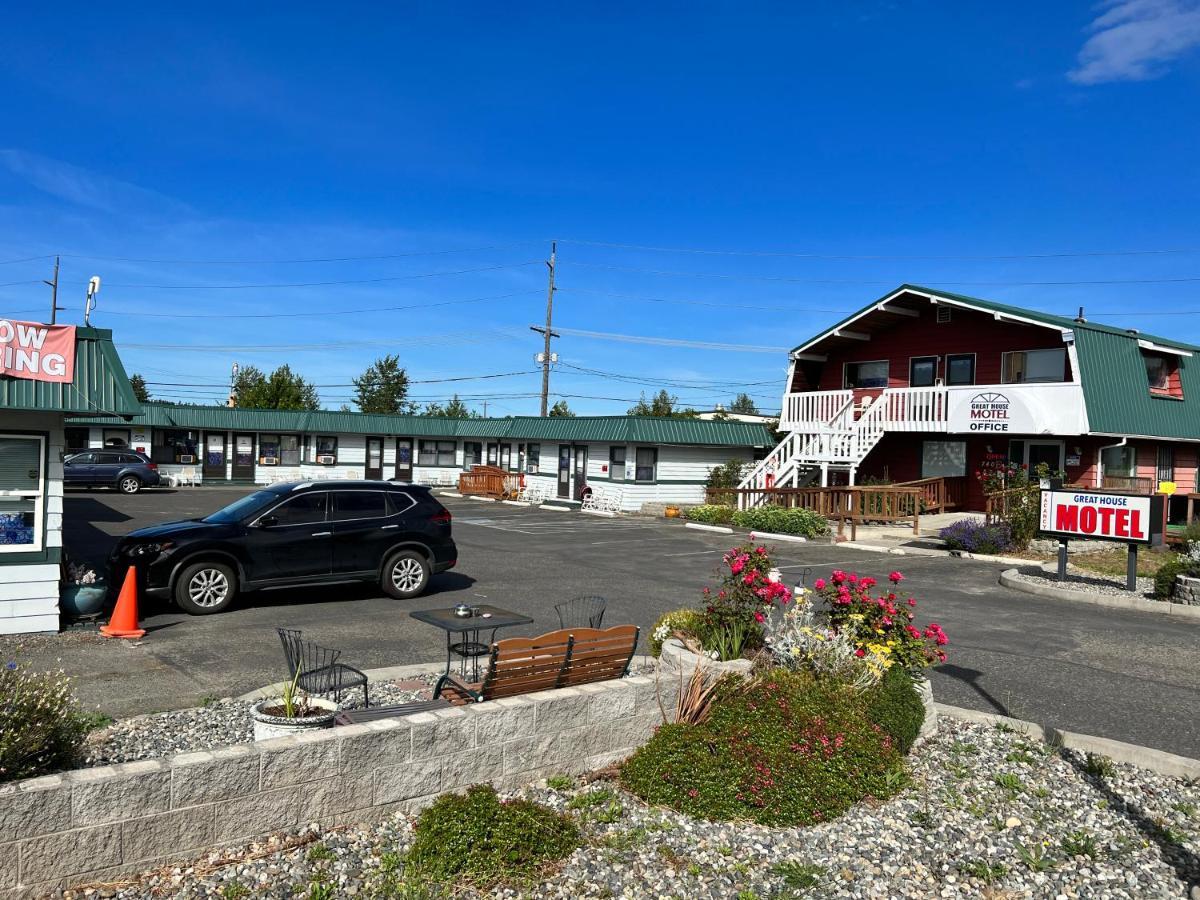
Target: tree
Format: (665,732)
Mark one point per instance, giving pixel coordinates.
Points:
(744,404)
(455,409)
(560,410)
(282,389)
(661,405)
(383,387)
(138,383)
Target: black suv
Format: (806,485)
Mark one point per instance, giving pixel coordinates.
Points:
(288,535)
(125,470)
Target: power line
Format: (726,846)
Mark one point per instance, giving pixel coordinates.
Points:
(321,313)
(301,284)
(836,281)
(459,337)
(672,342)
(792,309)
(410,381)
(673,382)
(1065,254)
(275,262)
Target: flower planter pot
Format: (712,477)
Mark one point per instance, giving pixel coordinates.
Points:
(268,726)
(671,512)
(79,600)
(925,692)
(679,658)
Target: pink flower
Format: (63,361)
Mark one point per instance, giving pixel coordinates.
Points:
(761,551)
(837,576)
(819,584)
(860,652)
(759,617)
(868,582)
(912,601)
(852,578)
(895,577)
(736,566)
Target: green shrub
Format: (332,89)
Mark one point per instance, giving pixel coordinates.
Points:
(728,475)
(685,620)
(41,729)
(785,749)
(780,520)
(711,514)
(477,838)
(1164,578)
(895,706)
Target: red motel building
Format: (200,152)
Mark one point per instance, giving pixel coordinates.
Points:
(923,383)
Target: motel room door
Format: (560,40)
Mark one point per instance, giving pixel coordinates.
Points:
(243,456)
(581,454)
(214,455)
(404,470)
(1051,453)
(564,470)
(374,465)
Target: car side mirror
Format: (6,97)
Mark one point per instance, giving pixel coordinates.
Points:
(268,521)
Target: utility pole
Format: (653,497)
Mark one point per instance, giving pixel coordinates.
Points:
(54,307)
(547,332)
(485,409)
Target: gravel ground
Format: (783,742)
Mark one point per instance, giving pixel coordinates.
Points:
(217,724)
(1110,586)
(988,814)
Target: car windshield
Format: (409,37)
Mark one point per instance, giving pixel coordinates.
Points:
(239,509)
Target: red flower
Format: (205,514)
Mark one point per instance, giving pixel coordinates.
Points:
(819,584)
(895,577)
(860,652)
(759,617)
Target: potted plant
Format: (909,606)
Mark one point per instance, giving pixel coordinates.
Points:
(82,592)
(291,713)
(671,512)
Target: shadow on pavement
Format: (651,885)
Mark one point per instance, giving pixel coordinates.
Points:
(970,677)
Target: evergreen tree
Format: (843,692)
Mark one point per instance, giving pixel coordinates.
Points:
(282,389)
(383,387)
(455,409)
(138,383)
(560,410)
(744,404)
(661,405)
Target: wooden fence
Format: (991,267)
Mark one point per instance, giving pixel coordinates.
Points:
(851,505)
(483,481)
(939,494)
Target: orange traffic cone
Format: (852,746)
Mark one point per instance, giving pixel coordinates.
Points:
(124,621)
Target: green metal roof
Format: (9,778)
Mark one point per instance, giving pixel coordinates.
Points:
(100,384)
(1111,371)
(601,429)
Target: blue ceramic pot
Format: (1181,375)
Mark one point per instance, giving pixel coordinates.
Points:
(76,600)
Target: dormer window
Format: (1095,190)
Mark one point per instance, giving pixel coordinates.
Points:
(1162,373)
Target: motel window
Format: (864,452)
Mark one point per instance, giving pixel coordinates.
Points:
(960,368)
(1120,462)
(1029,366)
(268,449)
(289,449)
(472,454)
(922,371)
(116,438)
(1162,373)
(435,453)
(175,446)
(22,492)
(493,454)
(76,439)
(867,374)
(533,458)
(327,449)
(647,464)
(943,459)
(1165,469)
(616,463)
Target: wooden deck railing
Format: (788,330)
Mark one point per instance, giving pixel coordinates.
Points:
(483,481)
(852,505)
(939,494)
(1133,485)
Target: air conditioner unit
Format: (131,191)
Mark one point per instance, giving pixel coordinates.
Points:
(187,459)
(270,460)
(326,460)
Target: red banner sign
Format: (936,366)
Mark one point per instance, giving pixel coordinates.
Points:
(37,352)
(1113,517)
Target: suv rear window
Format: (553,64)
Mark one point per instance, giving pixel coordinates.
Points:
(357,505)
(131,458)
(398,503)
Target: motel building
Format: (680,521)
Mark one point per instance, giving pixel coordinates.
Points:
(927,384)
(645,460)
(47,373)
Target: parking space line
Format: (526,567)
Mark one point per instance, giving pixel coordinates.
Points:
(694,553)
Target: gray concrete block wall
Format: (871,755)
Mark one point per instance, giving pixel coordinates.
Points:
(100,823)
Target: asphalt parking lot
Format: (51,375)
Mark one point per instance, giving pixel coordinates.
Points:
(1124,675)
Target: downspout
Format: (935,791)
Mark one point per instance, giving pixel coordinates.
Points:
(1100,460)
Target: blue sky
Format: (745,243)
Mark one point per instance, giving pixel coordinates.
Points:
(834,149)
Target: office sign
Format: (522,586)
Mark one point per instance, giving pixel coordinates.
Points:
(1131,519)
(990,412)
(37,352)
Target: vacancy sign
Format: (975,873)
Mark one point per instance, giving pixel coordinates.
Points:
(37,352)
(1105,517)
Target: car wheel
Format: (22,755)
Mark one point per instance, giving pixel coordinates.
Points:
(406,575)
(129,484)
(205,588)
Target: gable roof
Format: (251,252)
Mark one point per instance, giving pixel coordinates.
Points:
(1112,372)
(582,429)
(100,384)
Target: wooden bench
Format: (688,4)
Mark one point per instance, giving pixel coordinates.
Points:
(358,716)
(562,658)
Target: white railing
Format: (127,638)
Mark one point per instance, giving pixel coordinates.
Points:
(915,409)
(809,410)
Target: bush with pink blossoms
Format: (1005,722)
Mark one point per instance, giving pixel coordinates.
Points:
(882,620)
(735,612)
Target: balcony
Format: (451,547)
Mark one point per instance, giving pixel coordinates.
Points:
(1046,408)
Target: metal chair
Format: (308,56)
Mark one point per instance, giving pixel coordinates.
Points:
(582,612)
(321,673)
